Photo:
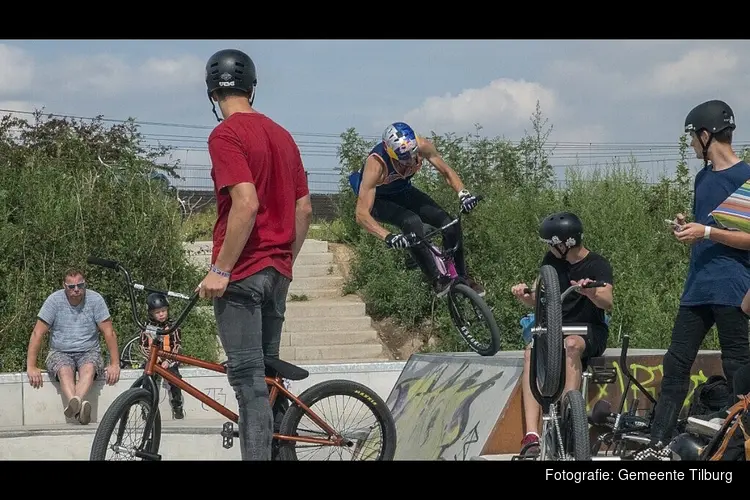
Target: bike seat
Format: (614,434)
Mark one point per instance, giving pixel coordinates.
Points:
(285,369)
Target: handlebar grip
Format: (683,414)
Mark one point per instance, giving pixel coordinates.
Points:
(595,284)
(102,262)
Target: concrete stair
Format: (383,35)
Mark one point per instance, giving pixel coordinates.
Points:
(322,325)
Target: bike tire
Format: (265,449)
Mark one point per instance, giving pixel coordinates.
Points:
(549,359)
(328,388)
(126,355)
(484,310)
(575,426)
(119,408)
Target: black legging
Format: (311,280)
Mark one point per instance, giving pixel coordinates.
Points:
(690,328)
(410,210)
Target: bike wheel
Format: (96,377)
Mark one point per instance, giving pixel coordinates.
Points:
(382,430)
(575,426)
(131,355)
(486,345)
(549,346)
(116,414)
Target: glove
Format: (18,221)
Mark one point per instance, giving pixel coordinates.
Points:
(468,202)
(398,241)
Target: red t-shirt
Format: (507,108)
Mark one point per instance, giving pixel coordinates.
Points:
(250,147)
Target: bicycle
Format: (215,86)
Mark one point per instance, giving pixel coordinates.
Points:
(565,435)
(446,267)
(145,391)
(622,428)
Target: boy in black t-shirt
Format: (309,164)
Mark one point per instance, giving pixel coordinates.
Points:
(575,264)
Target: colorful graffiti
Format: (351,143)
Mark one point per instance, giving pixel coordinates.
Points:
(435,411)
(648,370)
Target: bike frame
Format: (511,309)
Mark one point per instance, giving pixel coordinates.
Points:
(147,379)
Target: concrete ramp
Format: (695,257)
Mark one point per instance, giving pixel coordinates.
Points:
(450,406)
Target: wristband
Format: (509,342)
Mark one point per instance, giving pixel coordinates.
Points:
(219,271)
(707,232)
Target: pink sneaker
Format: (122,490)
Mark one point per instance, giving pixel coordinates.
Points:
(530,445)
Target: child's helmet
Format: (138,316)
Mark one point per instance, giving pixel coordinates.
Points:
(156,301)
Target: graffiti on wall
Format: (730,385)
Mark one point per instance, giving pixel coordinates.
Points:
(648,370)
(434,407)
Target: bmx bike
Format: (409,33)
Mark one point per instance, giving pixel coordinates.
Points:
(145,392)
(565,432)
(446,267)
(620,433)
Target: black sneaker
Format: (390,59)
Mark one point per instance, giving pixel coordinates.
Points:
(720,415)
(655,452)
(441,286)
(178,413)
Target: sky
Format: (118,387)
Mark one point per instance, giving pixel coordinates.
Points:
(603,98)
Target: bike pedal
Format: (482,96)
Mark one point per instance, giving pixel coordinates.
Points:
(604,375)
(228,434)
(148,456)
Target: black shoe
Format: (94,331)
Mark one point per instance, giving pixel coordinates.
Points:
(442,285)
(654,452)
(178,413)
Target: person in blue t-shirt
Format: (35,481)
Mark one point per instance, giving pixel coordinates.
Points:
(718,275)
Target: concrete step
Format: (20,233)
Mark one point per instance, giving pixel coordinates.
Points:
(324,307)
(312,258)
(320,293)
(309,246)
(327,324)
(316,282)
(332,352)
(323,338)
(314,270)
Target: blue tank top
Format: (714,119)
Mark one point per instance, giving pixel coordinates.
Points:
(394,182)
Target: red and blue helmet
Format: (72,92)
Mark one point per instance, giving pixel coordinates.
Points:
(400,143)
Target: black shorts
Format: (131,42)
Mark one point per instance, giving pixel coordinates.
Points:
(596,344)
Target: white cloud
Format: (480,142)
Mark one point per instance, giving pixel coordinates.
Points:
(108,75)
(696,71)
(502,107)
(16,70)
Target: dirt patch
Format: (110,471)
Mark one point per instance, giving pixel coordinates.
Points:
(342,256)
(399,341)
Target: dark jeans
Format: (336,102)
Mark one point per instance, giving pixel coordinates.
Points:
(249,328)
(690,328)
(409,210)
(175,393)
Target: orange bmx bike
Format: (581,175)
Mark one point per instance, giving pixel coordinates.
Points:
(362,440)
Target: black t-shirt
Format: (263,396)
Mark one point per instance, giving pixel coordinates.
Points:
(577,309)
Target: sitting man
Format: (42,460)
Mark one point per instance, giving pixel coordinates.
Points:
(575,265)
(74,316)
(386,194)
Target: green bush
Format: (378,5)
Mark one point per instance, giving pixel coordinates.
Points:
(59,204)
(623,215)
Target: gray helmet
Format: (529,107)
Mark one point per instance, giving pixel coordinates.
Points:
(686,447)
(231,69)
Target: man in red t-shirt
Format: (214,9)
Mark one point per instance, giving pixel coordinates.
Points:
(264,213)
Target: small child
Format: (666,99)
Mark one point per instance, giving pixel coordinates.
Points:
(158,314)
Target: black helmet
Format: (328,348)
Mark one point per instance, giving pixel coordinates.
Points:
(712,116)
(230,69)
(562,227)
(686,447)
(156,301)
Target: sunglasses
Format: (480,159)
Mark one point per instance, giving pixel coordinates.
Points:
(80,286)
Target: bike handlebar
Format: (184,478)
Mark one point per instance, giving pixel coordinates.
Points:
(111,264)
(573,288)
(417,240)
